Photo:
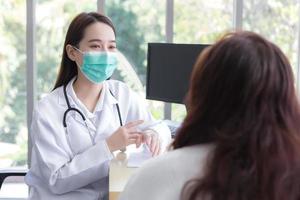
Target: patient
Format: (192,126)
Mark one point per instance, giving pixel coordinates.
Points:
(240,138)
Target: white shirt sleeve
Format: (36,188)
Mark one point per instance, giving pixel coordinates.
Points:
(61,171)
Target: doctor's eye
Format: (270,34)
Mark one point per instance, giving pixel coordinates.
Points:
(112,47)
(95,46)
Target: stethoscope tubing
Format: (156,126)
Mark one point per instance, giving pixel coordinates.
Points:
(82,115)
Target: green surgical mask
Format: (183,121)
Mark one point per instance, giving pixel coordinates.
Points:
(98,66)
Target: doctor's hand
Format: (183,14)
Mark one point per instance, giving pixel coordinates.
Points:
(124,136)
(152,140)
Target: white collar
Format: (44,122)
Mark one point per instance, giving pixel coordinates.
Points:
(105,98)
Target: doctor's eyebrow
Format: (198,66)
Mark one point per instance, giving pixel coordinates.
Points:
(98,40)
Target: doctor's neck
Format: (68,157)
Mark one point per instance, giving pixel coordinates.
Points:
(88,93)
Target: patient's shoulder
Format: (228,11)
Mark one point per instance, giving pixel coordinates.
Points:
(165,175)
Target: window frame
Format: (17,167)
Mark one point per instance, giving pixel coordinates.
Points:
(237,23)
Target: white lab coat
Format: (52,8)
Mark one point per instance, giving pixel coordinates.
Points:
(77,168)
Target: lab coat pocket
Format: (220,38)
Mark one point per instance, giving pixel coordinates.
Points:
(78,136)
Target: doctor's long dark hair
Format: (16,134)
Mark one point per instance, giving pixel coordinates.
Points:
(242,99)
(75,33)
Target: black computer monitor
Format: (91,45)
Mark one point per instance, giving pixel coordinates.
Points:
(168,70)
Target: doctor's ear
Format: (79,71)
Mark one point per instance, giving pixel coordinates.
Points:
(71,52)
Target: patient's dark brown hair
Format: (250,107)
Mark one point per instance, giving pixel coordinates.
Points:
(242,99)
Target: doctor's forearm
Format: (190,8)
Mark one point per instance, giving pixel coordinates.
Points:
(83,169)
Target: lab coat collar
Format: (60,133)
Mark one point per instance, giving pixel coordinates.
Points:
(74,104)
(105,98)
(109,98)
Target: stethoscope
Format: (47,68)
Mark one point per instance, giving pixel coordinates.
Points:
(82,116)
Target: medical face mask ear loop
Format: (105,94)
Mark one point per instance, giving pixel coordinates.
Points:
(82,53)
(78,50)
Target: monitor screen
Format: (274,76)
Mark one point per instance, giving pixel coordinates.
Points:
(169,68)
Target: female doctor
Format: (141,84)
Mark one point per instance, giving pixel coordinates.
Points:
(86,117)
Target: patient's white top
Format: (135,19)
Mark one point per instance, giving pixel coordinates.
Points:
(162,178)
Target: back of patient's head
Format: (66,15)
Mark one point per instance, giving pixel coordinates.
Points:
(242,99)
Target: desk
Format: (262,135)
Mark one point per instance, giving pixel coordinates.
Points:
(119,173)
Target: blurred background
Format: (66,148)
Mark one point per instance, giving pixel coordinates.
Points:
(137,22)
